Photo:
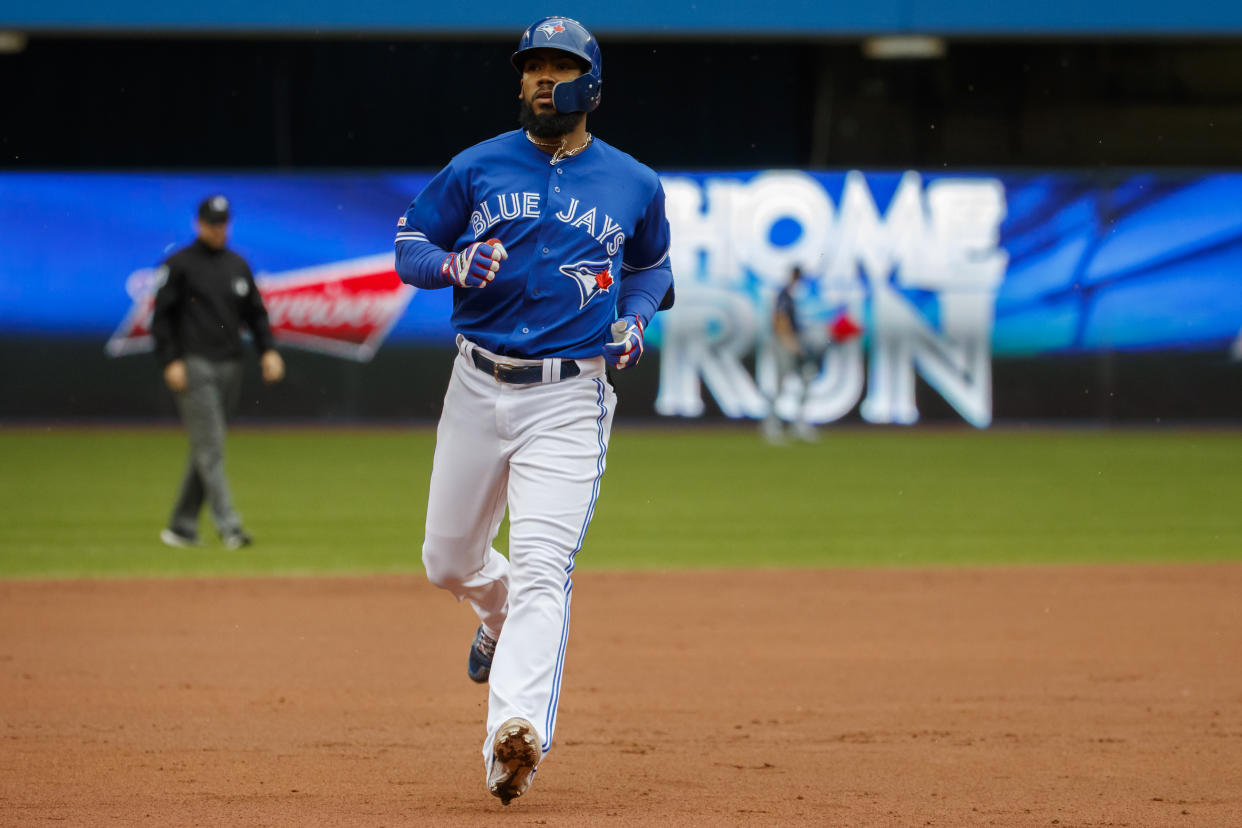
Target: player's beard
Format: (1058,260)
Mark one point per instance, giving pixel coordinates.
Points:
(548,126)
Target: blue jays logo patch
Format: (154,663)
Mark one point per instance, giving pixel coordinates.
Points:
(592,278)
(552,28)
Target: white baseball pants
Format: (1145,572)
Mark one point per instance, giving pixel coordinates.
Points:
(539,450)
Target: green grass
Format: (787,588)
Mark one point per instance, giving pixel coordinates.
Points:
(90,502)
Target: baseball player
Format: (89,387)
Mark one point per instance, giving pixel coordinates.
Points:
(794,356)
(555,245)
(800,347)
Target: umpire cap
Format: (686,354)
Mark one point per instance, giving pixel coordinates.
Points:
(214,210)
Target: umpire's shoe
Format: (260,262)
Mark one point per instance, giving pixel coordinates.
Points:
(482,649)
(515,753)
(171,537)
(237,539)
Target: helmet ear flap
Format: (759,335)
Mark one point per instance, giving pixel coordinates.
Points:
(581,94)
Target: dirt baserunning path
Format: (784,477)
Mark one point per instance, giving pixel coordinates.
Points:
(1093,696)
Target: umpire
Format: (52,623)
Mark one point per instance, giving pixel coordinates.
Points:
(206,294)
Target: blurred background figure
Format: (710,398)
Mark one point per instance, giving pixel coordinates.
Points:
(206,295)
(801,337)
(799,353)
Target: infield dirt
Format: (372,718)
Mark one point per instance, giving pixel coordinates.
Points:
(1070,696)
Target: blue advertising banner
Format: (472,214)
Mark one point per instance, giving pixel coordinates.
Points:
(942,272)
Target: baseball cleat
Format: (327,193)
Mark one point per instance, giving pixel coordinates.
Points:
(515,753)
(482,649)
(805,432)
(171,537)
(773,432)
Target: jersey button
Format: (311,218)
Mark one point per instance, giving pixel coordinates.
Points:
(525,330)
(557,189)
(545,250)
(559,171)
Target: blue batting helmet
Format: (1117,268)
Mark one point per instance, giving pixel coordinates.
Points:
(582,93)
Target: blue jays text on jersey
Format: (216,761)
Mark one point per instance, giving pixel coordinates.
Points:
(587,238)
(511,206)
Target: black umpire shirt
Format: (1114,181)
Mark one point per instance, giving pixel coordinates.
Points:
(204,298)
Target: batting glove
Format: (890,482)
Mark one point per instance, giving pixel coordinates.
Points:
(475,266)
(626,347)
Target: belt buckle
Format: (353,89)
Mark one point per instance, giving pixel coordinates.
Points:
(497,367)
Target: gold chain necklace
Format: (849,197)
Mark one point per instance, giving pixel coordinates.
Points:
(561,154)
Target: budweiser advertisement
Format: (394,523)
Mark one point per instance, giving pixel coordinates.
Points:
(345,309)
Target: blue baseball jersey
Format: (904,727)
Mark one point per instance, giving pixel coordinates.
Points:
(786,306)
(578,234)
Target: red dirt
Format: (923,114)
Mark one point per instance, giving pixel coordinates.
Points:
(1093,696)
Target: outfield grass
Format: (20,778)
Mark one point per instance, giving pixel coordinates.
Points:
(91,501)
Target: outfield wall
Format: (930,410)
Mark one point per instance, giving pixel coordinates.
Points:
(74,380)
(983,296)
